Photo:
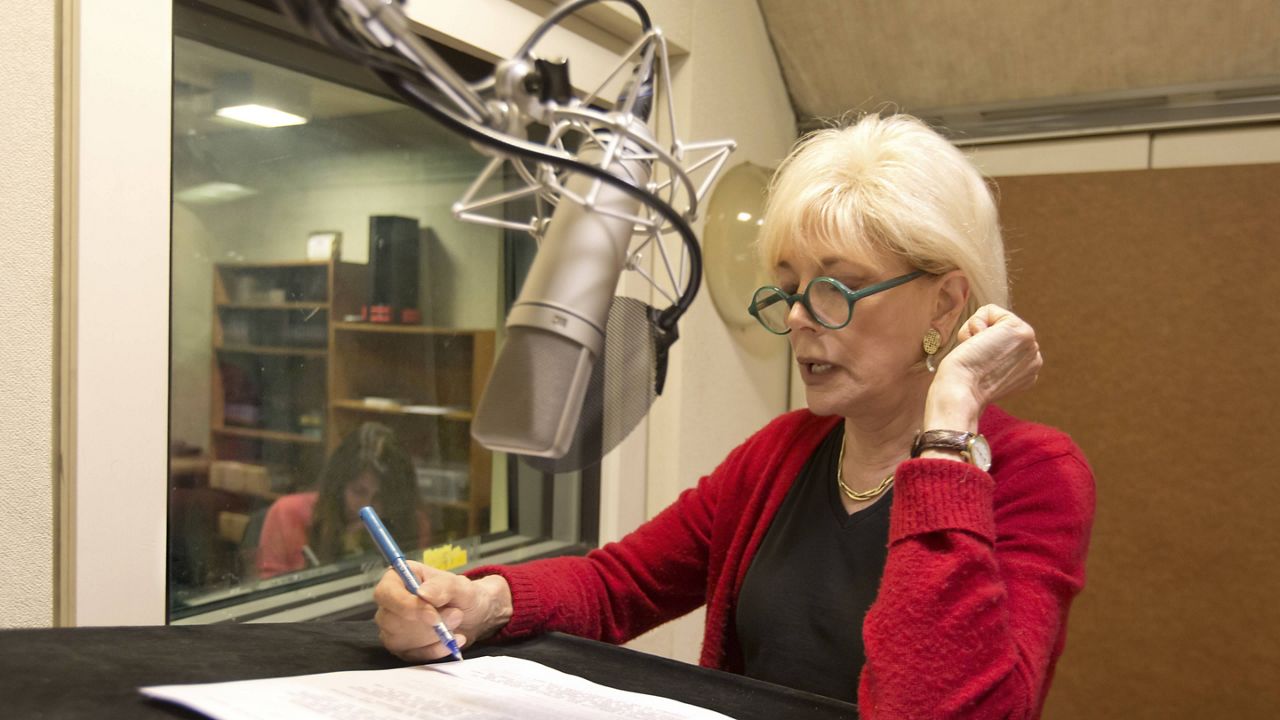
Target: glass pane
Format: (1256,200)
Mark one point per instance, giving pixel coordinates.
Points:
(772,309)
(829,303)
(332,328)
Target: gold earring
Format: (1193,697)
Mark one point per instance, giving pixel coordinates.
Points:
(932,342)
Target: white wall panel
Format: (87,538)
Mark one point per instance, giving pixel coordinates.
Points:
(1239,146)
(1054,157)
(121,342)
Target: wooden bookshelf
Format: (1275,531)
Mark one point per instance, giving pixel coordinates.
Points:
(284,350)
(271,335)
(280,437)
(267,350)
(421,366)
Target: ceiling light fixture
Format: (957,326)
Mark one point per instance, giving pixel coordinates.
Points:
(263,99)
(213,193)
(260,115)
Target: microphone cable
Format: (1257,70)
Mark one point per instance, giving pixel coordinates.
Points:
(565,10)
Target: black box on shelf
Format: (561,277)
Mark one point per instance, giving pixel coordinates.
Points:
(393,270)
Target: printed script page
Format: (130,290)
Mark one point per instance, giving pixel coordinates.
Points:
(486,688)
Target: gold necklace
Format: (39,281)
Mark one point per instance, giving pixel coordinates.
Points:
(852,494)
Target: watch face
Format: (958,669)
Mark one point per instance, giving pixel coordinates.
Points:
(980,451)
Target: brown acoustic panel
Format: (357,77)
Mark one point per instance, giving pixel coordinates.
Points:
(1156,298)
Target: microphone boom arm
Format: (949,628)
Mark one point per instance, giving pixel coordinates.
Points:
(377,33)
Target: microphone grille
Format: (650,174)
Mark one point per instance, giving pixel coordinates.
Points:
(531,403)
(620,391)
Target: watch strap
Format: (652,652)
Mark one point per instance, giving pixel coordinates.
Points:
(954,440)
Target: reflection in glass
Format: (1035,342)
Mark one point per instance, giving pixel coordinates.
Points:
(309,529)
(293,393)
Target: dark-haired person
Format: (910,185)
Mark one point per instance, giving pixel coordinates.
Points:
(902,543)
(368,468)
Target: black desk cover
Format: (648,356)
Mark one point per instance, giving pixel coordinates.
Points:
(95,672)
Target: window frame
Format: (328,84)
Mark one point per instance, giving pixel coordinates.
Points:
(112,556)
(265,36)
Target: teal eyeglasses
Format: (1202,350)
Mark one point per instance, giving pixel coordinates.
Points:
(828,301)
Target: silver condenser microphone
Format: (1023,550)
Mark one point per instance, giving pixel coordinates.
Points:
(556,329)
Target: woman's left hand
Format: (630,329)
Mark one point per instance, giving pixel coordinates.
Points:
(997,355)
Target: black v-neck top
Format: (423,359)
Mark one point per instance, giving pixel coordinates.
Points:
(810,584)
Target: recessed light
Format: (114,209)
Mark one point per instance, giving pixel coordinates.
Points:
(212,193)
(260,115)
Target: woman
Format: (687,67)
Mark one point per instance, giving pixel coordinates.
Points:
(322,526)
(840,549)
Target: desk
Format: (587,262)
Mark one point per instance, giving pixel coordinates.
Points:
(95,672)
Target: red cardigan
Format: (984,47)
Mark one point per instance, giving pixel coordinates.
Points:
(972,610)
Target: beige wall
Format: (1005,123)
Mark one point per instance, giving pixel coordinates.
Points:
(28,241)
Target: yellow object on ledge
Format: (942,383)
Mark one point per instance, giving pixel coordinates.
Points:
(445,557)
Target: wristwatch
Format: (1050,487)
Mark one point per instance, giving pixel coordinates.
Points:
(973,448)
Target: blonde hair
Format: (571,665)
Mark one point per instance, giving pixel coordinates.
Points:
(887,185)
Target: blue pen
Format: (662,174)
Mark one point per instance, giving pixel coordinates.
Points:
(395,558)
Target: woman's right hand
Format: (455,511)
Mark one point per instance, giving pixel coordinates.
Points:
(471,609)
